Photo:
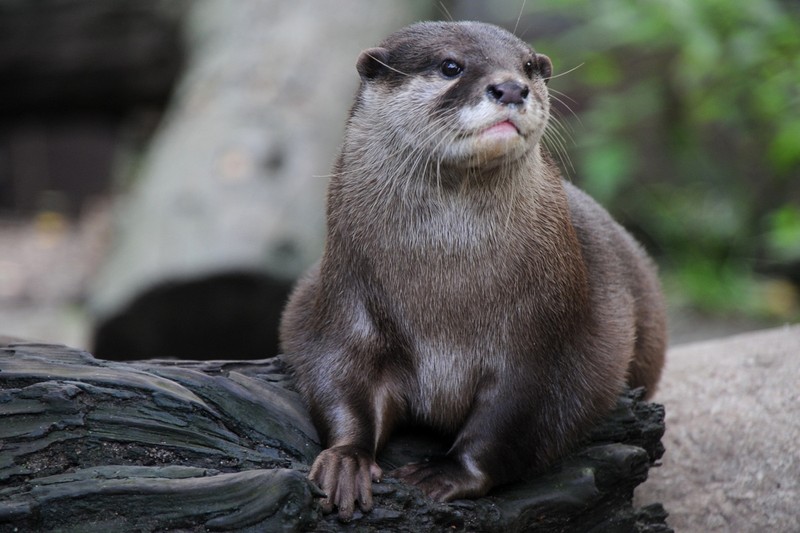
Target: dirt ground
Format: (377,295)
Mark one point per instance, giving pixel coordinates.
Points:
(46,269)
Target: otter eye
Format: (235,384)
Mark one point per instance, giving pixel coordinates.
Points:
(529,68)
(451,68)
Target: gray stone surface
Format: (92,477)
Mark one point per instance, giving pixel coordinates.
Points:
(732,460)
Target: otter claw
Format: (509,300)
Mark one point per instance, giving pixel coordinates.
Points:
(345,475)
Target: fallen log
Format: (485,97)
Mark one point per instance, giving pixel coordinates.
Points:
(92,445)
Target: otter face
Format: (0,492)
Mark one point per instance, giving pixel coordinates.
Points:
(469,94)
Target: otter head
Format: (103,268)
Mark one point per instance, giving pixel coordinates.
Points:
(462,94)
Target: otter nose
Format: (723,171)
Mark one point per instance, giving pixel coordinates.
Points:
(508,92)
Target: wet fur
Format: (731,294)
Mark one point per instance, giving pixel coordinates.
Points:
(485,297)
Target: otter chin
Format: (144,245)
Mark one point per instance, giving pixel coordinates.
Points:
(464,284)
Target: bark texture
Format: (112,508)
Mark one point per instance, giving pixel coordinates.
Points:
(158,445)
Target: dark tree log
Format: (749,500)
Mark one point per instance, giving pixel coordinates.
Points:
(225,445)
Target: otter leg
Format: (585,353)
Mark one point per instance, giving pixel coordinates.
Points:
(354,428)
(496,444)
(447,478)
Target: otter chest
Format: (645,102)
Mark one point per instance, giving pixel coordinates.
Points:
(458,340)
(450,285)
(447,379)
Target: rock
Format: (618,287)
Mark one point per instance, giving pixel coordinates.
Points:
(225,445)
(732,461)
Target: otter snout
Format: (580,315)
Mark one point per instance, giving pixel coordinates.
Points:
(508,92)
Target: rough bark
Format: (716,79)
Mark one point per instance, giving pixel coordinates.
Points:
(159,445)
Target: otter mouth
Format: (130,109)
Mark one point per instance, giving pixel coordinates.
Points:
(502,128)
(498,139)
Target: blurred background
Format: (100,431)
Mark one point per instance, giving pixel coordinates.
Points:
(163,162)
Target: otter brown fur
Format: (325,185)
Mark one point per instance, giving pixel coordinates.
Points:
(464,285)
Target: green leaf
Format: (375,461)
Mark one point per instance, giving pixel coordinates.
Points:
(784,151)
(607,168)
(784,232)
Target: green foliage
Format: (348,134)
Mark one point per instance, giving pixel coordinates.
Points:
(689,132)
(784,232)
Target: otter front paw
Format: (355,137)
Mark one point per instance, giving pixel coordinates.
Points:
(445,479)
(345,474)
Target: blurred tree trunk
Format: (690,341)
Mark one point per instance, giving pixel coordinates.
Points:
(230,196)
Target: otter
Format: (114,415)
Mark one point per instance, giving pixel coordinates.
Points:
(464,284)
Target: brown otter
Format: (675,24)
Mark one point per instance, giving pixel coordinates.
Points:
(464,284)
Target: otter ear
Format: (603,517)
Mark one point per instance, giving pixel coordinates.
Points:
(544,66)
(372,63)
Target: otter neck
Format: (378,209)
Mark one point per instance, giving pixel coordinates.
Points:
(407,178)
(422,206)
